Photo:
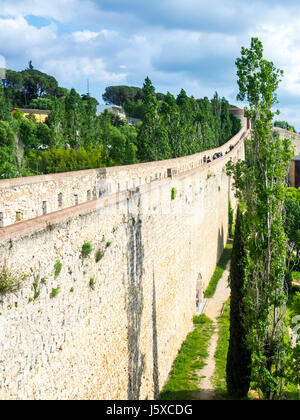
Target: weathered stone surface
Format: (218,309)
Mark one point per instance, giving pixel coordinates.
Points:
(118,338)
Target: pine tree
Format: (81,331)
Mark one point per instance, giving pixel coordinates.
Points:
(238,367)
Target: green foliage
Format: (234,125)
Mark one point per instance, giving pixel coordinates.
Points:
(220,355)
(134,109)
(76,138)
(260,183)
(292,218)
(238,368)
(92,283)
(296,276)
(221,266)
(59,160)
(191,358)
(99,254)
(9,281)
(36,286)
(173,193)
(8,161)
(57,268)
(24,86)
(41,103)
(121,95)
(296,304)
(230,219)
(86,249)
(285,125)
(55,291)
(27,132)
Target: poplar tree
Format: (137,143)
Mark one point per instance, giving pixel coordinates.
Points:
(260,183)
(153,137)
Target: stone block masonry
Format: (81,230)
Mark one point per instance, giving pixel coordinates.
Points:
(110,329)
(30,197)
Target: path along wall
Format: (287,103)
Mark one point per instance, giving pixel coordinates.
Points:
(27,198)
(112,328)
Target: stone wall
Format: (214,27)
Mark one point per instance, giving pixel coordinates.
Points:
(30,197)
(295,137)
(116,325)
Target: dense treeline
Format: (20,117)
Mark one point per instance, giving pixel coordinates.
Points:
(285,125)
(74,137)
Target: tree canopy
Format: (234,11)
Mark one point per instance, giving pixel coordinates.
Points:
(170,126)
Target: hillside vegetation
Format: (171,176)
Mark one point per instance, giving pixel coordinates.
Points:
(74,137)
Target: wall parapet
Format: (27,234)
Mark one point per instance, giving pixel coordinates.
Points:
(114,325)
(34,196)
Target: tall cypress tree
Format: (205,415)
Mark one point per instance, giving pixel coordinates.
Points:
(238,367)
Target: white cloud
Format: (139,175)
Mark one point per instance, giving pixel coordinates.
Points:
(84,36)
(76,69)
(60,10)
(17,36)
(177,43)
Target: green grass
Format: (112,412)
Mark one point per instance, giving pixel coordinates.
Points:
(219,377)
(225,257)
(191,357)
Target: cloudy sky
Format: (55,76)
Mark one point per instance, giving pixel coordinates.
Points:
(190,44)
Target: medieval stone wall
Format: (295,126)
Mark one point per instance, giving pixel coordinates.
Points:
(109,326)
(30,197)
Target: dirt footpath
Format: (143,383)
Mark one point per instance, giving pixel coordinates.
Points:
(213,310)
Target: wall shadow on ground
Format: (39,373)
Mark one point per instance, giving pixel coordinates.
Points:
(220,245)
(154,342)
(134,301)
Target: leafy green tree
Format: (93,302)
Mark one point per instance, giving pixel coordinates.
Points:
(4,108)
(8,161)
(238,368)
(8,166)
(121,95)
(7,136)
(27,132)
(153,142)
(285,125)
(134,109)
(41,103)
(44,135)
(260,183)
(18,115)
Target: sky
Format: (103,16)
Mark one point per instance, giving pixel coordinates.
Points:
(189,44)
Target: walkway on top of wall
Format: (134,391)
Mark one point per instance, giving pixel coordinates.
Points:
(33,197)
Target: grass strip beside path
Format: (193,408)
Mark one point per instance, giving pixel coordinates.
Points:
(221,266)
(219,377)
(191,357)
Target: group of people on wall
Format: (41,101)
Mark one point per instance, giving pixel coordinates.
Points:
(207,159)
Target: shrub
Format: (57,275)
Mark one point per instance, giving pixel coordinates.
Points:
(173,193)
(230,219)
(8,281)
(296,304)
(86,249)
(57,268)
(54,292)
(99,255)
